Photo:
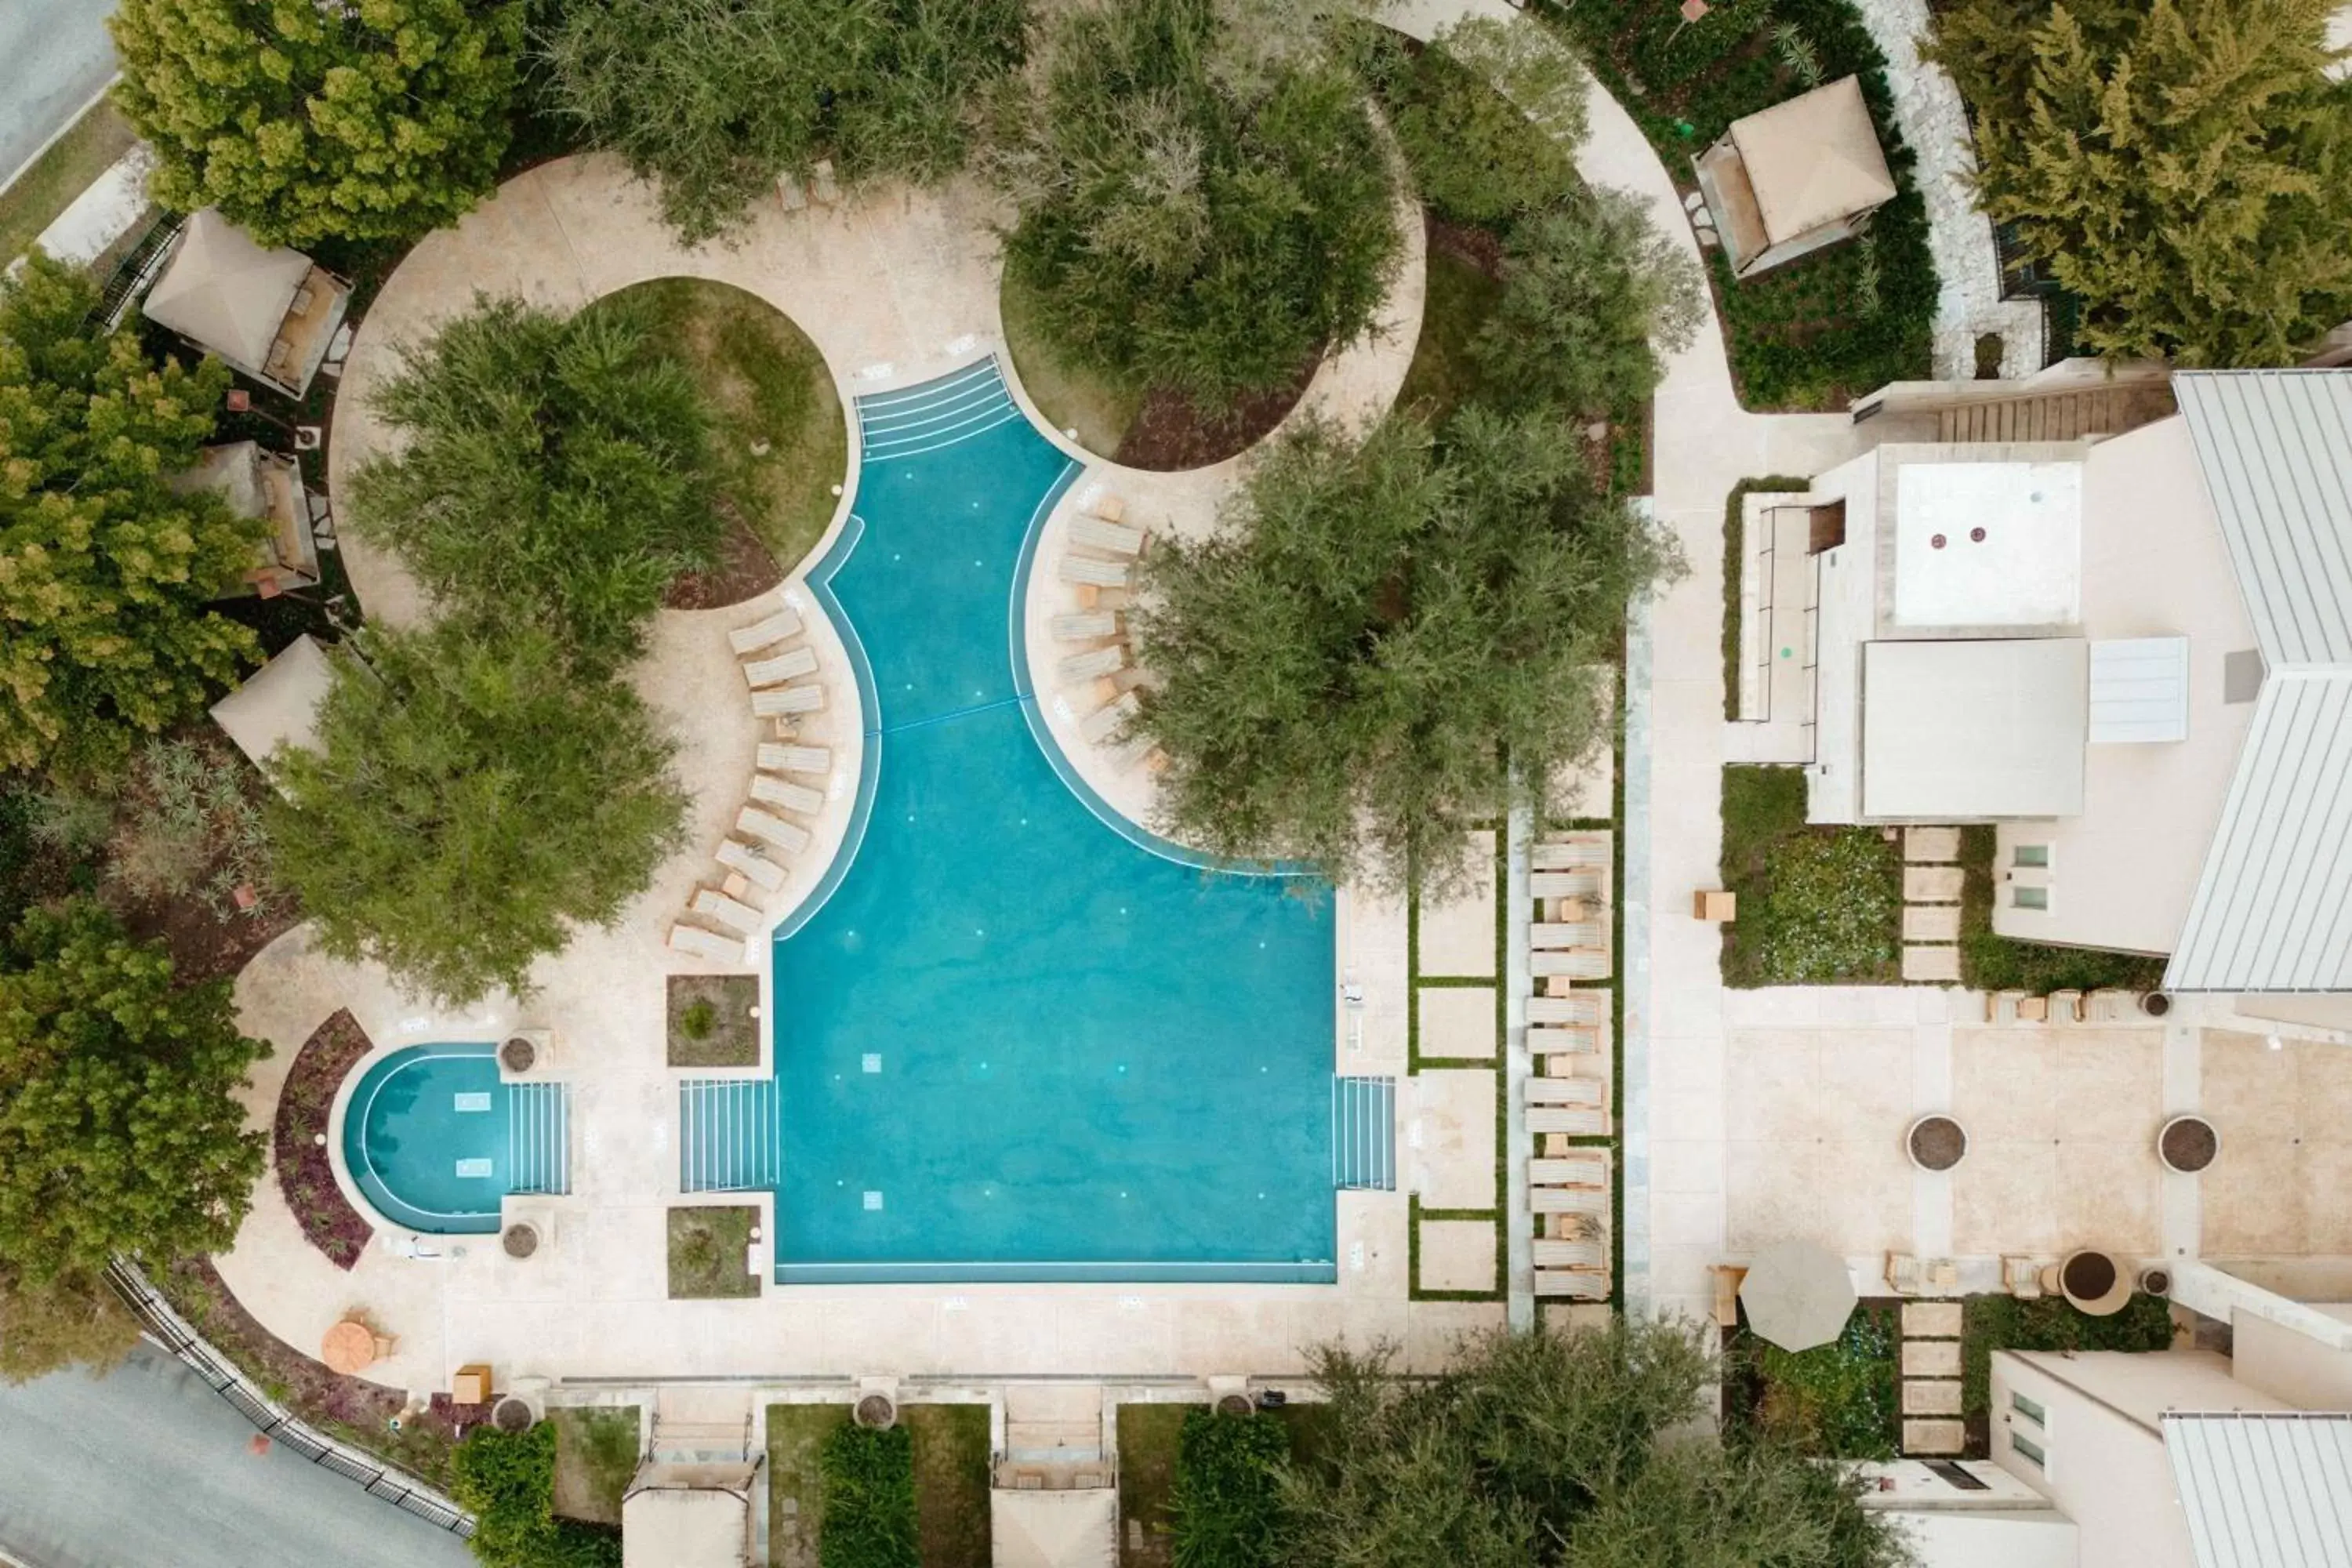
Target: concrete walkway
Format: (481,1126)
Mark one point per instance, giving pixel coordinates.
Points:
(148,1466)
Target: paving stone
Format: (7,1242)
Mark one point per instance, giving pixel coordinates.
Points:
(1936,844)
(1931,1320)
(1931,1396)
(1931,923)
(1933,884)
(1934,1437)
(1929,965)
(1931,1358)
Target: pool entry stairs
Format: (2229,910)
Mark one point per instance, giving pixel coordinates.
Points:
(1053,1438)
(1363,1134)
(538,1133)
(727,1137)
(935,415)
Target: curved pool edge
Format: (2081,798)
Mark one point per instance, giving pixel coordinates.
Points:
(339,1128)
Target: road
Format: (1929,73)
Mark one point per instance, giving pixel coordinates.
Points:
(150,1468)
(55,56)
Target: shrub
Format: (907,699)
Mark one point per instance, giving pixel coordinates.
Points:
(1226,1504)
(507,1481)
(192,808)
(1489,125)
(1818,906)
(1835,1400)
(698,1019)
(869,1499)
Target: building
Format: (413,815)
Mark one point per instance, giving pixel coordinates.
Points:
(270,314)
(268,486)
(2129,647)
(1795,177)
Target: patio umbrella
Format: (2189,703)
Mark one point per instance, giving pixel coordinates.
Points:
(1798,1295)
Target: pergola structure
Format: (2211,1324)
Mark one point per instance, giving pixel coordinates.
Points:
(1795,177)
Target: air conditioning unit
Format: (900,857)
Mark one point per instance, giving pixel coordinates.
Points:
(527,1054)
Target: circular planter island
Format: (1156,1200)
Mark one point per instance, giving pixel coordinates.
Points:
(2187,1144)
(1937,1143)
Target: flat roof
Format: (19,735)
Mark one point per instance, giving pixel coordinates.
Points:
(1988,544)
(1990,727)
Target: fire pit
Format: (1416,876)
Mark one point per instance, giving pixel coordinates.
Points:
(1937,1143)
(2093,1283)
(2187,1144)
(1235,1405)
(512,1415)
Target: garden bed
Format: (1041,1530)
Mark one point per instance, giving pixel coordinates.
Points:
(1147,1479)
(1838,1401)
(706,1248)
(796,1438)
(1818,906)
(1991,962)
(597,1453)
(306,1172)
(950,1483)
(1990,1323)
(1464,283)
(714,1020)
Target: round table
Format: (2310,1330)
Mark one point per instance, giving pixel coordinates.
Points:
(2107,1302)
(349,1347)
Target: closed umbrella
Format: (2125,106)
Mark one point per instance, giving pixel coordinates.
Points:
(1798,1295)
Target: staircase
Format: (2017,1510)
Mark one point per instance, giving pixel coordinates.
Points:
(2064,415)
(539,1138)
(700,1425)
(1363,1134)
(728,1135)
(1932,1426)
(1053,1438)
(1932,879)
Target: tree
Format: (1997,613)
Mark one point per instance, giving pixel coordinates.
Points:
(1379,635)
(120,1125)
(2184,166)
(1201,217)
(507,1481)
(469,801)
(1545,1449)
(1489,115)
(1594,297)
(378,120)
(1227,1504)
(716,97)
(105,573)
(72,1321)
(555,473)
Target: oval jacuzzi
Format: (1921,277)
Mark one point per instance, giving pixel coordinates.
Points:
(434,1139)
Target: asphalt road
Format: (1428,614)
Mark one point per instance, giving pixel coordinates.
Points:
(54,56)
(150,1468)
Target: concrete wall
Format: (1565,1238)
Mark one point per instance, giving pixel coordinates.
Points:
(2297,1369)
(1847,590)
(2154,565)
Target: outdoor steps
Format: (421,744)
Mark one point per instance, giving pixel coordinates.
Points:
(1054,1423)
(1931,1373)
(2056,416)
(1931,905)
(693,1425)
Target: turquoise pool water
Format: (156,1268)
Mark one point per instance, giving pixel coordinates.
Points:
(434,1140)
(1018,1041)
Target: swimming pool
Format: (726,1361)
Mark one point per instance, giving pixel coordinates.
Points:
(1017,1039)
(433,1139)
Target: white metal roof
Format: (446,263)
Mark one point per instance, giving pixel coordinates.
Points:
(2274,905)
(1952,730)
(2139,689)
(2264,1490)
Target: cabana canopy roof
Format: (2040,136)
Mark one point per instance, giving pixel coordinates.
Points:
(1814,160)
(224,291)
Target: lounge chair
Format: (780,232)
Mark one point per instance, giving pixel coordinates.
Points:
(1570,1171)
(1100,533)
(1108,659)
(1092,571)
(1568,964)
(1576,1007)
(753,823)
(774,791)
(1084,626)
(782,668)
(1131,751)
(2021,1278)
(780,701)
(1567,934)
(1572,1254)
(814,761)
(1564,884)
(1564,1039)
(715,905)
(1543,1091)
(1103,723)
(763,634)
(702,943)
(1590,1201)
(1572,1120)
(828,189)
(1570,854)
(2111,1007)
(2000,1006)
(739,857)
(1574,1284)
(2065,1006)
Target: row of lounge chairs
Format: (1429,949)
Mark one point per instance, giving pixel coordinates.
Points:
(1571,1192)
(2064,1007)
(1568,1031)
(1099,564)
(786,786)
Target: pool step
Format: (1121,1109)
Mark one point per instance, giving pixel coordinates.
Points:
(913,420)
(1363,1134)
(539,1133)
(728,1135)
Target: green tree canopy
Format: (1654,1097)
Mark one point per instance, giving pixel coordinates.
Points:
(2183,165)
(716,97)
(507,1481)
(1380,633)
(378,120)
(1489,115)
(1541,1450)
(1197,211)
(470,800)
(1592,297)
(104,573)
(120,1127)
(556,473)
(72,1321)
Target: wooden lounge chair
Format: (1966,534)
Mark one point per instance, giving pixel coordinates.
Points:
(684,938)
(1564,1039)
(1568,964)
(1571,1255)
(1592,1201)
(1108,659)
(1100,533)
(779,701)
(715,905)
(1567,934)
(763,634)
(2111,1006)
(782,668)
(1566,1091)
(1570,854)
(1576,1007)
(2000,1006)
(814,761)
(740,857)
(1564,884)
(1573,1120)
(774,791)
(2022,1277)
(753,823)
(1084,626)
(1574,1284)
(1103,723)
(1092,571)
(1570,1171)
(2065,1006)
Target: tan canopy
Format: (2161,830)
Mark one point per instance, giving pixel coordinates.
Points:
(224,291)
(1055,1529)
(687,1516)
(279,703)
(1813,159)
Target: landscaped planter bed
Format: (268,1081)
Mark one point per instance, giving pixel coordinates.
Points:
(306,1174)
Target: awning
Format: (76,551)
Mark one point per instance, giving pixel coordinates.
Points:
(1055,1529)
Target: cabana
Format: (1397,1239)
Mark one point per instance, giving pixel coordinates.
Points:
(265,485)
(279,703)
(270,314)
(1795,177)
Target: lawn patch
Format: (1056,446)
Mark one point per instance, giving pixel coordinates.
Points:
(714,1020)
(1991,962)
(950,1483)
(707,1243)
(796,1436)
(1990,1323)
(1818,906)
(50,184)
(1462,293)
(1837,1401)
(1147,1437)
(1074,397)
(596,1451)
(869,1499)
